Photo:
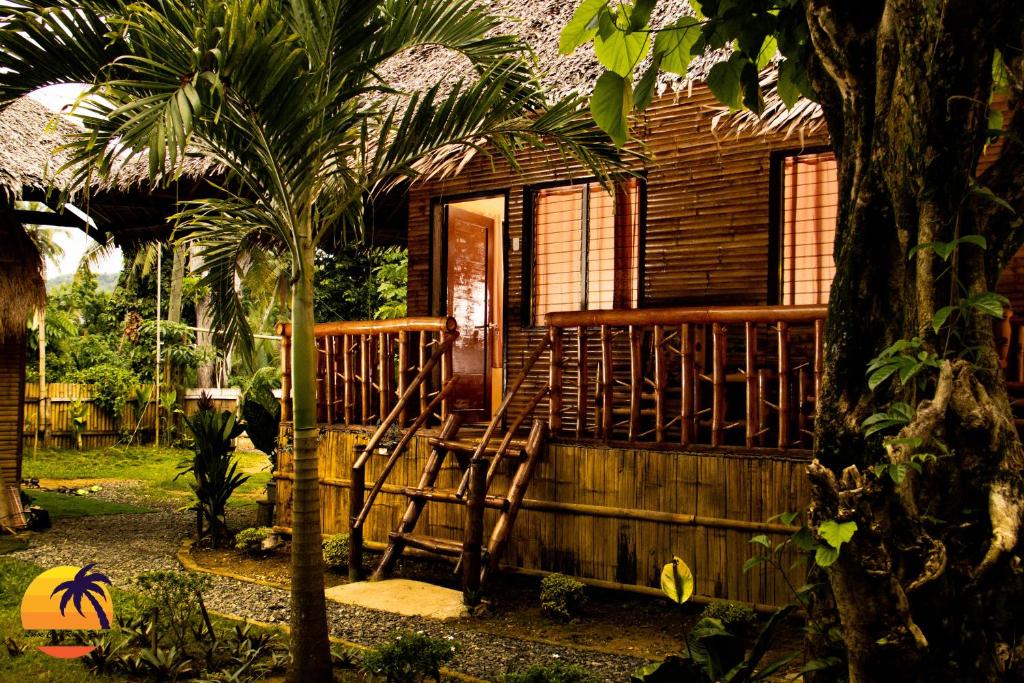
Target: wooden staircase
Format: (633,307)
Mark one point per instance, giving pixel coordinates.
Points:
(476,499)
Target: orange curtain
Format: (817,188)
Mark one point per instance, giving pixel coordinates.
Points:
(810,204)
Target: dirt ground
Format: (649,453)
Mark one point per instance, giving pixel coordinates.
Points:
(611,621)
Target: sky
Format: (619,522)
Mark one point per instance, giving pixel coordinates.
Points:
(73,241)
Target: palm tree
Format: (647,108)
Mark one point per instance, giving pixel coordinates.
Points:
(289,99)
(86,584)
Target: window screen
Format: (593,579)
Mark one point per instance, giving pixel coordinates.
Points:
(810,202)
(586,248)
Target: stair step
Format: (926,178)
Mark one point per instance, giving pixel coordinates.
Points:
(438,546)
(495,502)
(516,448)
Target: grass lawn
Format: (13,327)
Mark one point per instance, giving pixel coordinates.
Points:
(155,466)
(60,505)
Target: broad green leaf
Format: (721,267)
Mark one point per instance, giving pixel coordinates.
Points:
(940,317)
(724,81)
(620,50)
(785,517)
(641,14)
(803,539)
(610,106)
(897,472)
(881,375)
(645,86)
(754,561)
(768,50)
(675,44)
(976,240)
(762,540)
(989,303)
(677,581)
(582,26)
(985,193)
(825,556)
(836,533)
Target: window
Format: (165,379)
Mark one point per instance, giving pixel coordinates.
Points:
(585,248)
(810,194)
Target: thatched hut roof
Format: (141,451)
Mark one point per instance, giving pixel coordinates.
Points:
(22,288)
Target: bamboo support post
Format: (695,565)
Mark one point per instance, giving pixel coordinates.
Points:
(801,405)
(783,407)
(472,547)
(687,380)
(364,378)
(636,381)
(422,360)
(355,506)
(660,383)
(555,380)
(607,384)
(403,375)
(384,373)
(329,384)
(582,381)
(762,405)
(349,379)
(286,374)
(718,383)
(516,493)
(503,447)
(447,364)
(750,378)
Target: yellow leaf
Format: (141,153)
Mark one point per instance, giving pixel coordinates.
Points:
(677,581)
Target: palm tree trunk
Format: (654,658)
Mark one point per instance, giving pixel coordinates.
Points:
(310,649)
(43,409)
(204,320)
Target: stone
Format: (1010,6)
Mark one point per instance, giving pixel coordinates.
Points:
(402,596)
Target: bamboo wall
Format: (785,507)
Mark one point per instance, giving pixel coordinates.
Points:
(614,515)
(12,378)
(101,428)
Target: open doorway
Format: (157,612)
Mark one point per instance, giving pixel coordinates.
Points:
(472,265)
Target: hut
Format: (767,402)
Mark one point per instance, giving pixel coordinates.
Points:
(637,368)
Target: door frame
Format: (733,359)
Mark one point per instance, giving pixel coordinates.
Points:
(438,262)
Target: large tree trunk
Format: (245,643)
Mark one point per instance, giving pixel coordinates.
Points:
(204,321)
(310,649)
(923,586)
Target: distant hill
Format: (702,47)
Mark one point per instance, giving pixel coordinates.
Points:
(105,281)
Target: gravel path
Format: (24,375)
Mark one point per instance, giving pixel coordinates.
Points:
(122,546)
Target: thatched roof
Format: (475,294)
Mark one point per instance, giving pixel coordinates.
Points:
(22,288)
(29,136)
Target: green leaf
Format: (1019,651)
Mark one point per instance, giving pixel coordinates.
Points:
(792,83)
(825,556)
(641,14)
(675,44)
(754,561)
(768,50)
(940,317)
(976,240)
(803,539)
(618,50)
(989,303)
(785,517)
(762,540)
(610,106)
(644,91)
(836,533)
(677,581)
(724,81)
(985,193)
(880,375)
(583,25)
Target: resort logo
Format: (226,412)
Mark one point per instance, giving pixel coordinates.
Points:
(68,598)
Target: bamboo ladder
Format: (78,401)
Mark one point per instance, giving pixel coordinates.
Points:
(479,461)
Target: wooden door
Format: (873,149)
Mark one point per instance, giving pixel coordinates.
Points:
(469,302)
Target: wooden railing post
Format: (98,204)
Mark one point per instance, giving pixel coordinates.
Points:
(660,383)
(750,376)
(687,379)
(355,506)
(555,380)
(364,378)
(717,383)
(329,388)
(636,380)
(447,363)
(472,547)
(607,385)
(384,372)
(349,379)
(403,375)
(783,335)
(582,381)
(425,386)
(286,373)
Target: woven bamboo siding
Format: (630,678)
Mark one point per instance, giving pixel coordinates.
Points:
(101,428)
(705,237)
(611,542)
(12,379)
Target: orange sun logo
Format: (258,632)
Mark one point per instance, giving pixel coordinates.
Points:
(67,598)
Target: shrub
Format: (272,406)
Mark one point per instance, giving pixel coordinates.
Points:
(737,619)
(176,598)
(409,658)
(112,386)
(561,596)
(551,673)
(251,540)
(336,551)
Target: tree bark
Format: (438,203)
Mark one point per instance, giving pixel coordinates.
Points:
(921,589)
(204,320)
(310,648)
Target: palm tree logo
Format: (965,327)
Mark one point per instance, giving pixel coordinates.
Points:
(87,585)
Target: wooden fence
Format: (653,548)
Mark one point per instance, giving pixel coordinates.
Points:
(101,428)
(613,516)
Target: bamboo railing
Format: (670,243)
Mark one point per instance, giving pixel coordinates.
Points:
(742,376)
(364,367)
